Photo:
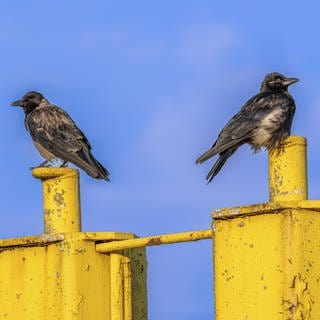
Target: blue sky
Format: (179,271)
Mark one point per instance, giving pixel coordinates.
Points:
(152,84)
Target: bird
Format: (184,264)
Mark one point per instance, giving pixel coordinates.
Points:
(55,135)
(265,120)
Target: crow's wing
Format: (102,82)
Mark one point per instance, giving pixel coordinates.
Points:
(54,130)
(240,128)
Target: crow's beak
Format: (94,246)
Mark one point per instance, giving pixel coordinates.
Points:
(289,81)
(17,103)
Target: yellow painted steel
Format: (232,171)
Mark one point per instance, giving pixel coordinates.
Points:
(65,278)
(61,199)
(288,171)
(121,296)
(154,240)
(127,290)
(117,295)
(59,275)
(266,256)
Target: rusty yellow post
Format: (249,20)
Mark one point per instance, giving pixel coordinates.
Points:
(59,275)
(61,200)
(266,256)
(288,171)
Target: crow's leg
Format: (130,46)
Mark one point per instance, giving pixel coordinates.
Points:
(64,164)
(44,164)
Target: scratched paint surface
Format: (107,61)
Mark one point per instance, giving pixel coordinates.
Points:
(288,171)
(267,265)
(63,277)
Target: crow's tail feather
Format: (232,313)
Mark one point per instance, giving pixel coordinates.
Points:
(207,155)
(103,172)
(87,162)
(223,157)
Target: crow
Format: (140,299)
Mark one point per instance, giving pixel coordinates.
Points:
(55,135)
(264,121)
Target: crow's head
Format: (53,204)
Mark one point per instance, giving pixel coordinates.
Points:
(29,101)
(276,81)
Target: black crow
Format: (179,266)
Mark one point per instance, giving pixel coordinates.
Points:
(264,121)
(55,135)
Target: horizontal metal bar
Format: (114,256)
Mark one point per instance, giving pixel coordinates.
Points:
(154,240)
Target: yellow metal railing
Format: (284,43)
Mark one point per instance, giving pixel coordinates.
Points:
(154,240)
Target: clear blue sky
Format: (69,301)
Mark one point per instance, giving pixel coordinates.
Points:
(151,83)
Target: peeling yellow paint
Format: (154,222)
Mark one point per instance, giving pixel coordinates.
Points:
(298,304)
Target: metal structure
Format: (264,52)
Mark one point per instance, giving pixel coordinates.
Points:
(59,275)
(266,260)
(266,256)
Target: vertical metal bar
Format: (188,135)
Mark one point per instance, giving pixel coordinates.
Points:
(127,290)
(288,171)
(116,284)
(61,199)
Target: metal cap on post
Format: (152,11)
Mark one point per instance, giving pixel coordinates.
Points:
(288,171)
(61,199)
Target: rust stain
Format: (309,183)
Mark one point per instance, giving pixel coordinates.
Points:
(241,224)
(59,199)
(155,241)
(81,250)
(227,275)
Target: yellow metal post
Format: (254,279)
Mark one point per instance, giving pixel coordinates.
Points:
(266,256)
(60,275)
(288,171)
(61,200)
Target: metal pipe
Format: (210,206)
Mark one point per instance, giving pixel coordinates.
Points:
(61,199)
(288,171)
(154,240)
